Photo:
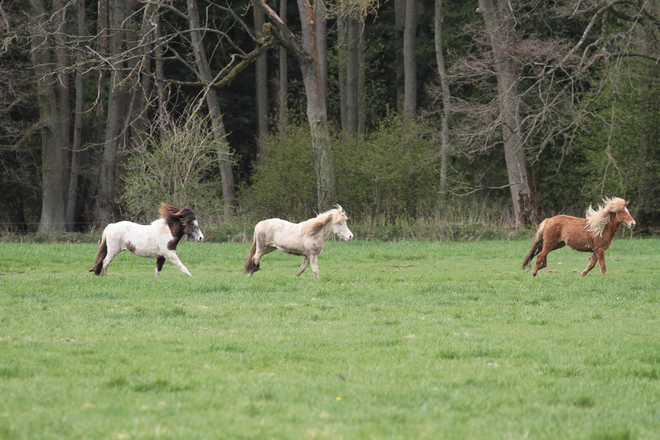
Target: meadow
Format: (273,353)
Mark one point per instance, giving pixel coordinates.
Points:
(396,340)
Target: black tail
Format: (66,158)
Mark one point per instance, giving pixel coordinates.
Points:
(536,246)
(100,256)
(250,266)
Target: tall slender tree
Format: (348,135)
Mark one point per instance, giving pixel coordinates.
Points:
(500,31)
(309,57)
(213,104)
(446,100)
(52,200)
(116,115)
(261,82)
(74,172)
(410,60)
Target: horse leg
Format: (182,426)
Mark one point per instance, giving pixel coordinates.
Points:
(592,263)
(542,259)
(172,256)
(601,261)
(159,265)
(303,266)
(260,252)
(113,251)
(315,266)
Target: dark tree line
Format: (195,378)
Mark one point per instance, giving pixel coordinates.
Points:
(536,107)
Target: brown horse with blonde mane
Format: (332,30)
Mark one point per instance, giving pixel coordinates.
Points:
(591,234)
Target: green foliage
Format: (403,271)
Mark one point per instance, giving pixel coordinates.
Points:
(617,151)
(397,340)
(177,167)
(284,180)
(387,174)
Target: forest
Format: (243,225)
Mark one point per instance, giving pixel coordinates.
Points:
(498,112)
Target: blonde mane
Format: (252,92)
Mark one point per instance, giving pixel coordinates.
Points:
(314,225)
(597,221)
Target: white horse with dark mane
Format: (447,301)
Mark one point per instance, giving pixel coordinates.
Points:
(157,240)
(306,238)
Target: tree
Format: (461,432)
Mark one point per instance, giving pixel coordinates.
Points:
(500,30)
(52,206)
(204,74)
(261,82)
(309,56)
(72,193)
(116,114)
(410,60)
(446,100)
(351,27)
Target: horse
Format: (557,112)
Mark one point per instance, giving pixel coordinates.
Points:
(305,238)
(157,240)
(591,234)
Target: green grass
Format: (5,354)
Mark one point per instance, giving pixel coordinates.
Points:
(407,340)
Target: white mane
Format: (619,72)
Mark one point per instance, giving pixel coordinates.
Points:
(312,226)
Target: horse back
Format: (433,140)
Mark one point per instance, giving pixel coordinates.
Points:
(143,240)
(569,230)
(281,234)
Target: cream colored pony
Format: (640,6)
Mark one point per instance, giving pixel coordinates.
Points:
(591,234)
(306,238)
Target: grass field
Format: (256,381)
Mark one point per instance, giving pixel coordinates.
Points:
(407,340)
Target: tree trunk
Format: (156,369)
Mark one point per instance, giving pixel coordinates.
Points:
(62,89)
(362,102)
(94,154)
(77,127)
(204,73)
(342,74)
(409,60)
(115,115)
(261,79)
(315,79)
(446,102)
(352,74)
(499,27)
(321,42)
(284,74)
(308,55)
(399,28)
(52,206)
(163,115)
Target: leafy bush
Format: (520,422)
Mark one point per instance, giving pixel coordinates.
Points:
(388,174)
(284,179)
(178,167)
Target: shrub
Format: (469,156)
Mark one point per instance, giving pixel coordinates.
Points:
(178,167)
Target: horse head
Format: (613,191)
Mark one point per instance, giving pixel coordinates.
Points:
(624,217)
(339,224)
(192,229)
(187,219)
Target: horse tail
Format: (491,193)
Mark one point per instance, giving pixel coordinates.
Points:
(536,246)
(100,256)
(250,266)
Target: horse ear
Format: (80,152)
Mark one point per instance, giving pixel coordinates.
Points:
(627,203)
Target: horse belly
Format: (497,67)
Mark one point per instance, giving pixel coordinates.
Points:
(142,241)
(291,251)
(289,240)
(579,245)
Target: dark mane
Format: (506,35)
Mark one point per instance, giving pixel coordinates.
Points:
(173,215)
